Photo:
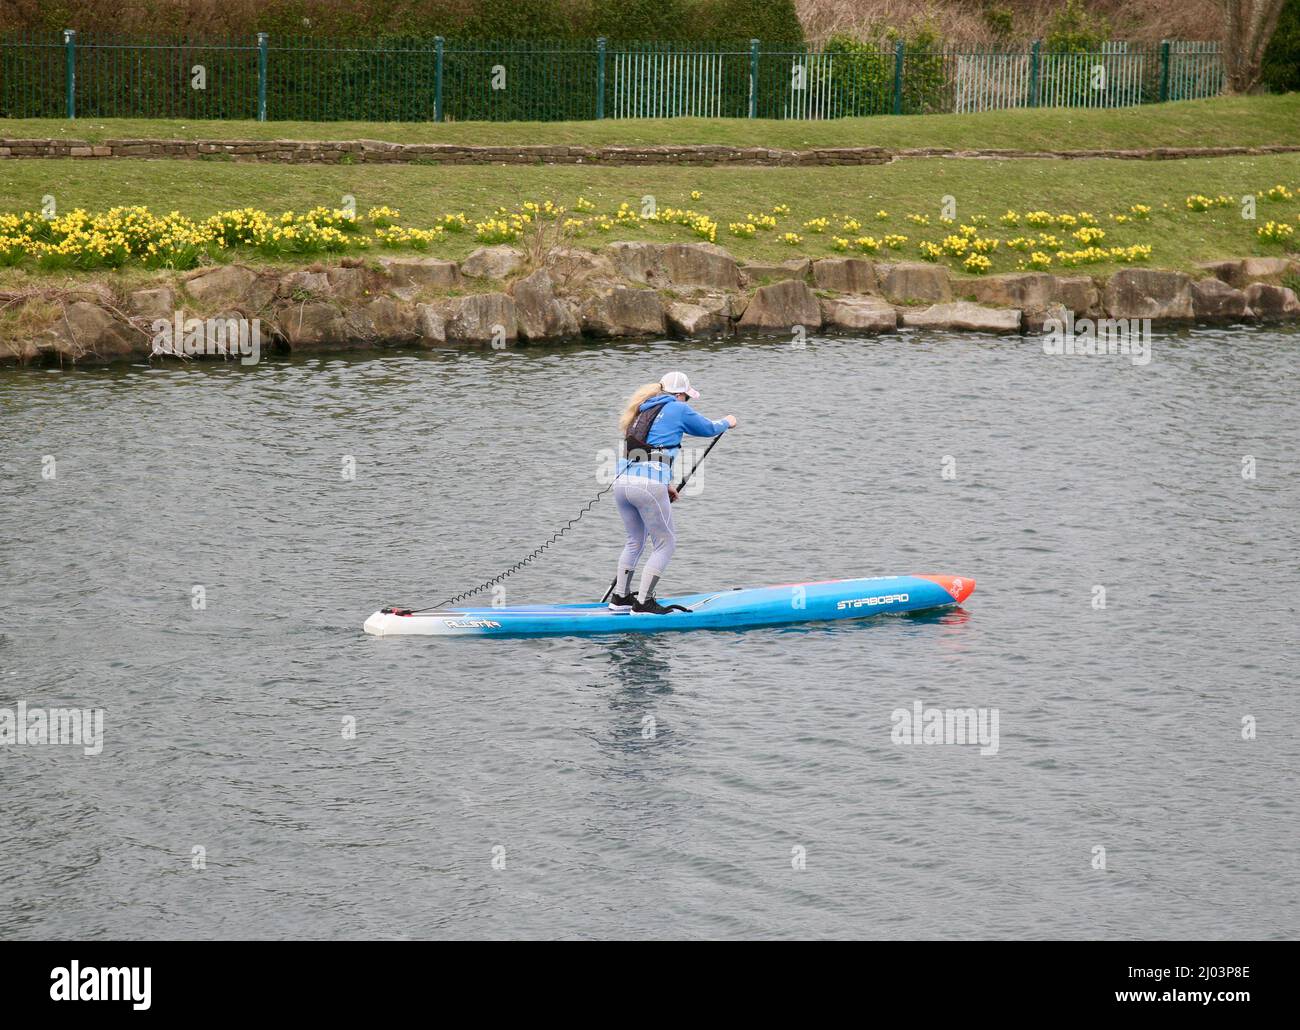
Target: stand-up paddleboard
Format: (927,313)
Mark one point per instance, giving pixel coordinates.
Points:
(726,609)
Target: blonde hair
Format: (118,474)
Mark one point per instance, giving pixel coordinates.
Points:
(639,397)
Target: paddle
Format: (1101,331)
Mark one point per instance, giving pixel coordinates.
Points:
(685,479)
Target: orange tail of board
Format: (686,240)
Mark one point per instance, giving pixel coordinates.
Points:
(961,587)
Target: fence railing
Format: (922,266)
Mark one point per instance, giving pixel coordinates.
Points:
(444,80)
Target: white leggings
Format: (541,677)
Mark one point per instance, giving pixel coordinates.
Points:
(646,512)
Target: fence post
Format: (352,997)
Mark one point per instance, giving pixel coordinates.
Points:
(898,77)
(600,77)
(1034,72)
(753,78)
(1164,70)
(262,41)
(438,46)
(70,70)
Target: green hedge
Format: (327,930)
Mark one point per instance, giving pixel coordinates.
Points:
(1282,58)
(773,21)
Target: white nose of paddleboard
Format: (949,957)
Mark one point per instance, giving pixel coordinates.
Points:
(376,624)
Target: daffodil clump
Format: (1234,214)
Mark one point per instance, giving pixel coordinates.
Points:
(1136,252)
(1200,202)
(319,230)
(499,230)
(244,228)
(699,224)
(706,228)
(304,238)
(397,237)
(383,217)
(110,239)
(547,210)
(1100,255)
(956,246)
(1275,232)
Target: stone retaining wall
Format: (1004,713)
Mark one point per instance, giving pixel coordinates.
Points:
(626,290)
(382,152)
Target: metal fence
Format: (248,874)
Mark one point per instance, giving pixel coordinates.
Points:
(303,79)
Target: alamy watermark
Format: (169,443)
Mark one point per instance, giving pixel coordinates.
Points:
(83,727)
(183,337)
(74,982)
(921,725)
(1098,337)
(687,459)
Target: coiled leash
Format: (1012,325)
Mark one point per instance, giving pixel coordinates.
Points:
(527,560)
(537,552)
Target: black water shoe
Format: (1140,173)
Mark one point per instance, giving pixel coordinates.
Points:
(651,606)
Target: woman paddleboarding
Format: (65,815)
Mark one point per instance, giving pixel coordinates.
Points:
(656,418)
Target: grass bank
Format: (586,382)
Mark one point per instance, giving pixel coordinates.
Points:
(879,198)
(1222,121)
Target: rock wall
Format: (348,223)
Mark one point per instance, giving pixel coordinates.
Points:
(368,151)
(631,289)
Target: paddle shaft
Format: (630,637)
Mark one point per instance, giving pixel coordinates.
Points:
(686,478)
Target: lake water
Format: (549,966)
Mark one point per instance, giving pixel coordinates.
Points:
(1120,727)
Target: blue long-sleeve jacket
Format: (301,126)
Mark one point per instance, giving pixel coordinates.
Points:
(677,419)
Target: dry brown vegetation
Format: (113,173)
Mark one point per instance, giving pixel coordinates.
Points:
(968,21)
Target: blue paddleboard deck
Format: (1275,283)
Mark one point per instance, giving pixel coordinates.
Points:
(726,609)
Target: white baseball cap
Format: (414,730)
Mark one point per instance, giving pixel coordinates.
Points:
(676,382)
